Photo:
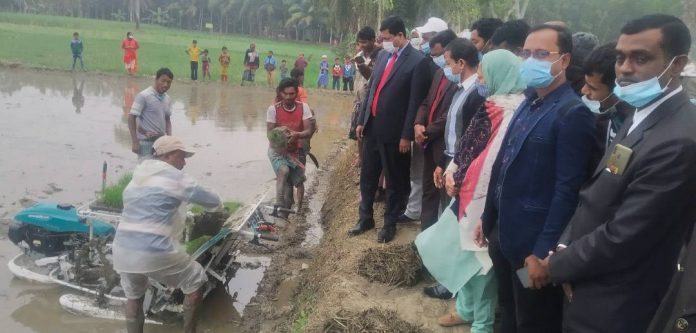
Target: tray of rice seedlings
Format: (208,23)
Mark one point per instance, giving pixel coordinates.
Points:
(111,198)
(207,224)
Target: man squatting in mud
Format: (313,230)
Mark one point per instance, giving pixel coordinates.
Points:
(146,242)
(294,119)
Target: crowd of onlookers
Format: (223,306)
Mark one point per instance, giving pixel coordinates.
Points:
(551,175)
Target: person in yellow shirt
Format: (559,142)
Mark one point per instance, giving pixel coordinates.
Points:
(194,54)
(224,60)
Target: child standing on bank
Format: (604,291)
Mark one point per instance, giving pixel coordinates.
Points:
(348,75)
(194,53)
(224,60)
(323,80)
(205,59)
(336,73)
(283,70)
(270,65)
(77,47)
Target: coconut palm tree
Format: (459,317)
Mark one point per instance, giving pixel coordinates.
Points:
(304,14)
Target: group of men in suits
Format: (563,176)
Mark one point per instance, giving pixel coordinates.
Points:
(623,220)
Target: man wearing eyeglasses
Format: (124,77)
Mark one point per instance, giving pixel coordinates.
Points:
(545,158)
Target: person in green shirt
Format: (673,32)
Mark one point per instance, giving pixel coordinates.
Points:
(77,47)
(194,54)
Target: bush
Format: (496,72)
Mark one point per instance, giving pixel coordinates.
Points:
(345,49)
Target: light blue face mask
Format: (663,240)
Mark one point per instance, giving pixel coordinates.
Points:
(537,73)
(451,76)
(425,48)
(639,94)
(440,61)
(482,89)
(595,106)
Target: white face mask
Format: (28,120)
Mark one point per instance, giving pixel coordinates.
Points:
(388,46)
(595,106)
(639,94)
(417,42)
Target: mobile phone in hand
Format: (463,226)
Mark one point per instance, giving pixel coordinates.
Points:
(523,275)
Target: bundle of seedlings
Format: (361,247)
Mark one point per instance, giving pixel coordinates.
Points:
(395,265)
(207,224)
(371,320)
(279,138)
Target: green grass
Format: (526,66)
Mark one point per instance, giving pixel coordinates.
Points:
(112,196)
(44,42)
(300,322)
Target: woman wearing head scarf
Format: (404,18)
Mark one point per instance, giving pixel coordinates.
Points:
(453,250)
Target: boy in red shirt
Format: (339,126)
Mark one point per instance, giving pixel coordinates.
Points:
(337,73)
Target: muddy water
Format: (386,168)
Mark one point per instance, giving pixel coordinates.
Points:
(57,129)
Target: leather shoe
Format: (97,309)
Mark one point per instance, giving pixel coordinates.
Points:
(437,291)
(403,218)
(386,234)
(361,227)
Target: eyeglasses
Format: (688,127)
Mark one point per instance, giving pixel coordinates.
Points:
(536,54)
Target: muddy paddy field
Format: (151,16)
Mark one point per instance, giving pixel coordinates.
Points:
(58,129)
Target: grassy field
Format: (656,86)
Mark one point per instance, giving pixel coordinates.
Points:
(44,42)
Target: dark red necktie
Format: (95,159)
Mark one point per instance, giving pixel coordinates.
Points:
(382,82)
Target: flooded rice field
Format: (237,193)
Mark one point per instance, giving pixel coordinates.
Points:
(57,129)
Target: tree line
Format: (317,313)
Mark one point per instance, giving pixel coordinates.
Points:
(333,20)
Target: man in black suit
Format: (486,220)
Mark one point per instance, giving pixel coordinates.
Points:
(386,125)
(634,213)
(677,313)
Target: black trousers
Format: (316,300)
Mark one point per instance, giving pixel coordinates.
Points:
(378,157)
(194,70)
(348,83)
(523,310)
(434,200)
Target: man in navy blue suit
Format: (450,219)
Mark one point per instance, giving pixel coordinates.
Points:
(396,90)
(545,158)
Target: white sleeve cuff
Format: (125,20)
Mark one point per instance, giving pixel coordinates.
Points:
(451,168)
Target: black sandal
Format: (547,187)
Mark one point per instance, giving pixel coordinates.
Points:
(438,291)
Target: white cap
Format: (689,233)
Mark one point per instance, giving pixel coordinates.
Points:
(324,56)
(168,144)
(434,24)
(689,70)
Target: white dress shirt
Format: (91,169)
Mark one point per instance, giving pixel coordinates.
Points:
(463,91)
(640,115)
